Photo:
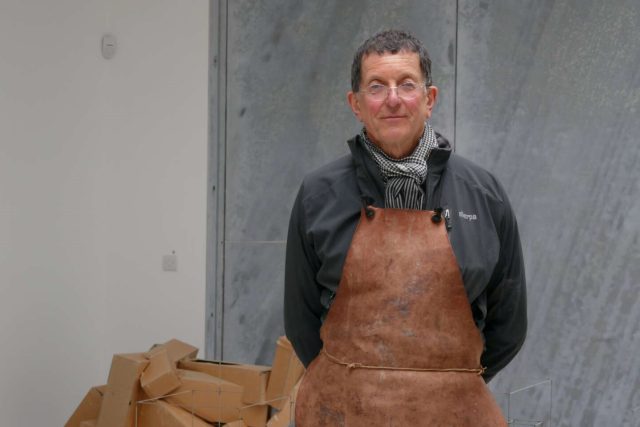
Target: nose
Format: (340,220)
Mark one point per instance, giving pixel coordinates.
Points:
(392,97)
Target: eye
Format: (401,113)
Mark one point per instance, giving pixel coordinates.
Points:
(375,88)
(408,87)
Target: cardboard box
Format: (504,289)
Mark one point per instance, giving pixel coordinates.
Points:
(89,423)
(253,378)
(255,415)
(159,377)
(89,408)
(285,416)
(161,414)
(123,390)
(211,398)
(285,373)
(281,419)
(176,349)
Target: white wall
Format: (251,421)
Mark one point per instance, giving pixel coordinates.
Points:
(102,171)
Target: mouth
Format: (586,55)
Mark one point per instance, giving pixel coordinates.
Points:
(393,117)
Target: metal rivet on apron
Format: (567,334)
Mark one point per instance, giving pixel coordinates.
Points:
(366,202)
(437,216)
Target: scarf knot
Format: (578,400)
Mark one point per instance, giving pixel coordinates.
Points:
(404,177)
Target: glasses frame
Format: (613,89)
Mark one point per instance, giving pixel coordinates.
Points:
(382,96)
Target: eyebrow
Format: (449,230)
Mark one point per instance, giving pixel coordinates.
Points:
(402,78)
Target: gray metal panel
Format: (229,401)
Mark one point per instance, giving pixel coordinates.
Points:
(548,97)
(288,74)
(254,302)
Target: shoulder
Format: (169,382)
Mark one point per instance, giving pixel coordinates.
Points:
(475,178)
(331,178)
(329,198)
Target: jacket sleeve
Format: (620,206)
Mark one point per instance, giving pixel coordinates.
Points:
(302,307)
(506,319)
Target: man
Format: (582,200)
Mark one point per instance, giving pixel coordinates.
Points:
(404,281)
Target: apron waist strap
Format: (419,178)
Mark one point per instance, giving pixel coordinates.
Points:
(355,365)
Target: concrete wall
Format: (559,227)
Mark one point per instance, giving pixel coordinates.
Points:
(543,93)
(102,171)
(287,77)
(548,98)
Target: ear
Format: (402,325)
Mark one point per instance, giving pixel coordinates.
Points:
(432,97)
(354,103)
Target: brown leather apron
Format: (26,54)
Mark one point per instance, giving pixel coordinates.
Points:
(400,344)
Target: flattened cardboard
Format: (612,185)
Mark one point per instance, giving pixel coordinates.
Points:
(89,408)
(253,378)
(162,414)
(176,349)
(211,398)
(159,377)
(123,390)
(255,415)
(281,419)
(285,416)
(285,373)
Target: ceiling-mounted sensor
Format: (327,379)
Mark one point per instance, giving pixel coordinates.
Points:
(109,45)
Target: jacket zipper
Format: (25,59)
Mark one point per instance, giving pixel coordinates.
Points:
(447,219)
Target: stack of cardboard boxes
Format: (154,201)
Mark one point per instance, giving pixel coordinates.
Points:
(168,387)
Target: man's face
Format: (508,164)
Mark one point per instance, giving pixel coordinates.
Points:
(394,124)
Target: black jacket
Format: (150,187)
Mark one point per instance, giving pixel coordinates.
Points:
(484,237)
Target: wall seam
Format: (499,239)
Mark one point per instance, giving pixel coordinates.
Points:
(216,185)
(455,80)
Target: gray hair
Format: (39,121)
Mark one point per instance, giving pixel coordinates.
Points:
(390,41)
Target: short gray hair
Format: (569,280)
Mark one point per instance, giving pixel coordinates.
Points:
(390,41)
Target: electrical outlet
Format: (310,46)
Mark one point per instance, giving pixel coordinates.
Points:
(170,262)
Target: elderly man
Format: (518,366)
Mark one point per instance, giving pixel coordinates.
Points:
(404,281)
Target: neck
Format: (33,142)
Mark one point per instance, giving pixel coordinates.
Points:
(398,151)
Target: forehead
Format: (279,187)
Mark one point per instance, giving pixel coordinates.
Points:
(390,65)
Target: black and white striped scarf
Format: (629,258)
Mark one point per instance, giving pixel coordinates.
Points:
(404,177)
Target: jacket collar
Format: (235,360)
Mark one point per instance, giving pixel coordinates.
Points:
(439,156)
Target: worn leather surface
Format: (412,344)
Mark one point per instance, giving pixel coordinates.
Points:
(400,304)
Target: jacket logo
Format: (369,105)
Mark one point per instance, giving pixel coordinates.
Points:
(468,217)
